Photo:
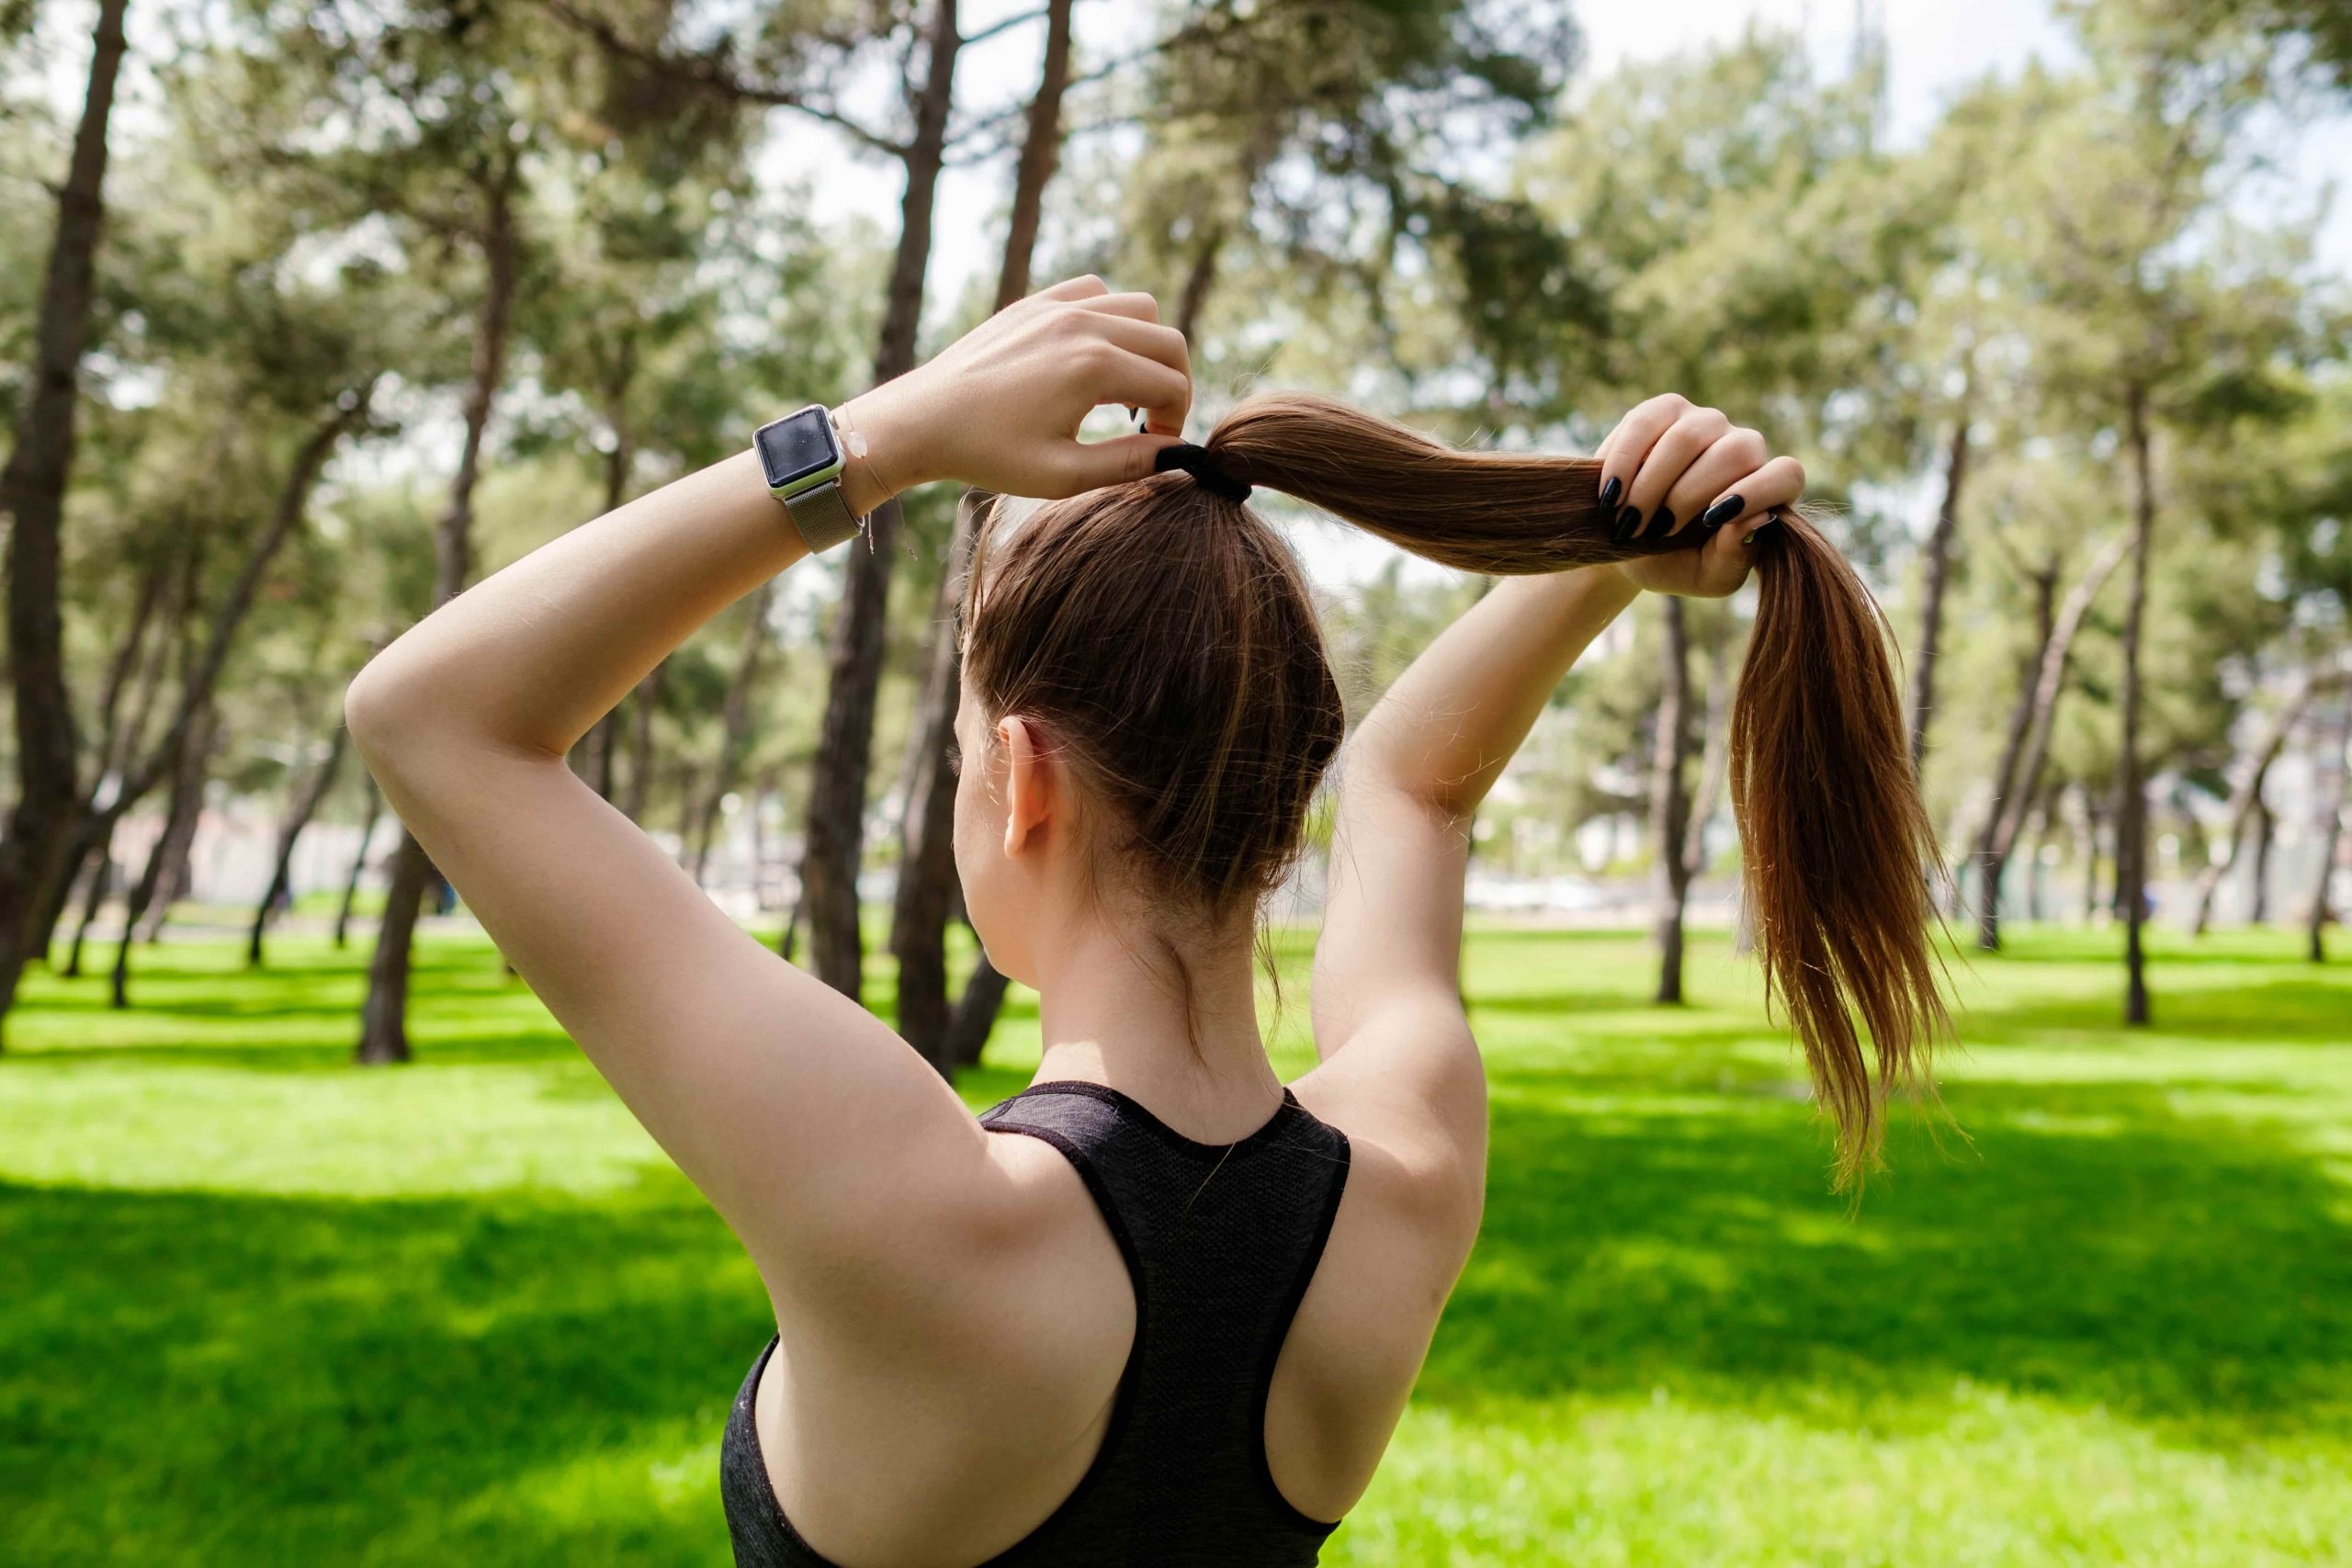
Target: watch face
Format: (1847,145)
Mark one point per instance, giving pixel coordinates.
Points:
(797,446)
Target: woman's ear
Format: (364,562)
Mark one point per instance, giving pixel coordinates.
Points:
(1028,783)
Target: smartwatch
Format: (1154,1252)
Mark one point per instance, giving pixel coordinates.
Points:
(801,456)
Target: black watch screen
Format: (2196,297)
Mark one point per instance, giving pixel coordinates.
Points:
(799,445)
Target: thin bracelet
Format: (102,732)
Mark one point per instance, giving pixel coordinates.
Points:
(853,445)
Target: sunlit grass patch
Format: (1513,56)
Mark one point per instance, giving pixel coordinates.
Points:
(260,1306)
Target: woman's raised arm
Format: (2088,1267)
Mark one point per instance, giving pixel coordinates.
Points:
(807,1122)
(1388,1019)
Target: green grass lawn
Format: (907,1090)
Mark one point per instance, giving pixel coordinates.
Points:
(257,1306)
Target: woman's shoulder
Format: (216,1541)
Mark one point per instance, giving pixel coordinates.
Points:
(1416,1135)
(1405,1226)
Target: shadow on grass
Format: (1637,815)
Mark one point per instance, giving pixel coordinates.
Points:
(2091,1247)
(2315,1012)
(2249,1011)
(520,1046)
(192,1378)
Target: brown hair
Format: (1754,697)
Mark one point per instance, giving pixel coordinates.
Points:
(1164,637)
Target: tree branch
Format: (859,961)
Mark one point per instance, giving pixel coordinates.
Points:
(204,672)
(1018,18)
(699,71)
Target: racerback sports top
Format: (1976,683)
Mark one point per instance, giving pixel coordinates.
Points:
(1220,1241)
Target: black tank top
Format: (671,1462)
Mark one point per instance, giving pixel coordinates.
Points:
(1220,1241)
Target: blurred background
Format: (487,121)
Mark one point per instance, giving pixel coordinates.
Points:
(310,315)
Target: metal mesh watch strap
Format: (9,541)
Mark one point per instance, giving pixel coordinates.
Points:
(821,517)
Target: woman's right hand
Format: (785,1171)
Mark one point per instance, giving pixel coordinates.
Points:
(1000,407)
(1671,463)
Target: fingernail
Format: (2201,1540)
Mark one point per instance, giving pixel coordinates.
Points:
(1722,512)
(1627,521)
(1663,523)
(1750,536)
(1612,490)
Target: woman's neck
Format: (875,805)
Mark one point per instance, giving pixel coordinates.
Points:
(1112,1016)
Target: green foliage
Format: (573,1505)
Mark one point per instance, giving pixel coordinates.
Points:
(2309,37)
(465,1310)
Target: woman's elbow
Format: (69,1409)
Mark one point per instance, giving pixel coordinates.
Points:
(378,709)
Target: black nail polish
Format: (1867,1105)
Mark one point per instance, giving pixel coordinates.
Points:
(1722,512)
(1612,490)
(1663,523)
(1627,521)
(1758,531)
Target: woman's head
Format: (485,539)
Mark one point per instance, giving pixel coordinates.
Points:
(1143,667)
(1155,647)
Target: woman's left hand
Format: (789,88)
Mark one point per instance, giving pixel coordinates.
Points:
(1671,464)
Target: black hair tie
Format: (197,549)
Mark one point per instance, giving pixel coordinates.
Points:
(1197,462)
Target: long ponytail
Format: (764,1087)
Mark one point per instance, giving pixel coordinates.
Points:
(1837,855)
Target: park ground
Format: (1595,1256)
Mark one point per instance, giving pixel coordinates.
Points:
(260,1307)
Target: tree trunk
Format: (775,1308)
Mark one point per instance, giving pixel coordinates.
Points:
(643,704)
(119,736)
(2245,802)
(918,915)
(2092,820)
(130,727)
(2266,828)
(171,845)
(689,809)
(1936,572)
(2018,781)
(2037,871)
(383,1025)
(1192,300)
(784,941)
(836,825)
(926,862)
(383,1018)
(94,836)
(81,838)
(358,863)
(605,740)
(178,882)
(115,744)
(2132,803)
(1989,858)
(1669,807)
(976,1011)
(735,723)
(94,897)
(1713,759)
(1041,152)
(289,834)
(2331,835)
(32,497)
(602,771)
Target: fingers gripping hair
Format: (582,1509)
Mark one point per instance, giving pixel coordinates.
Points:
(1838,857)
